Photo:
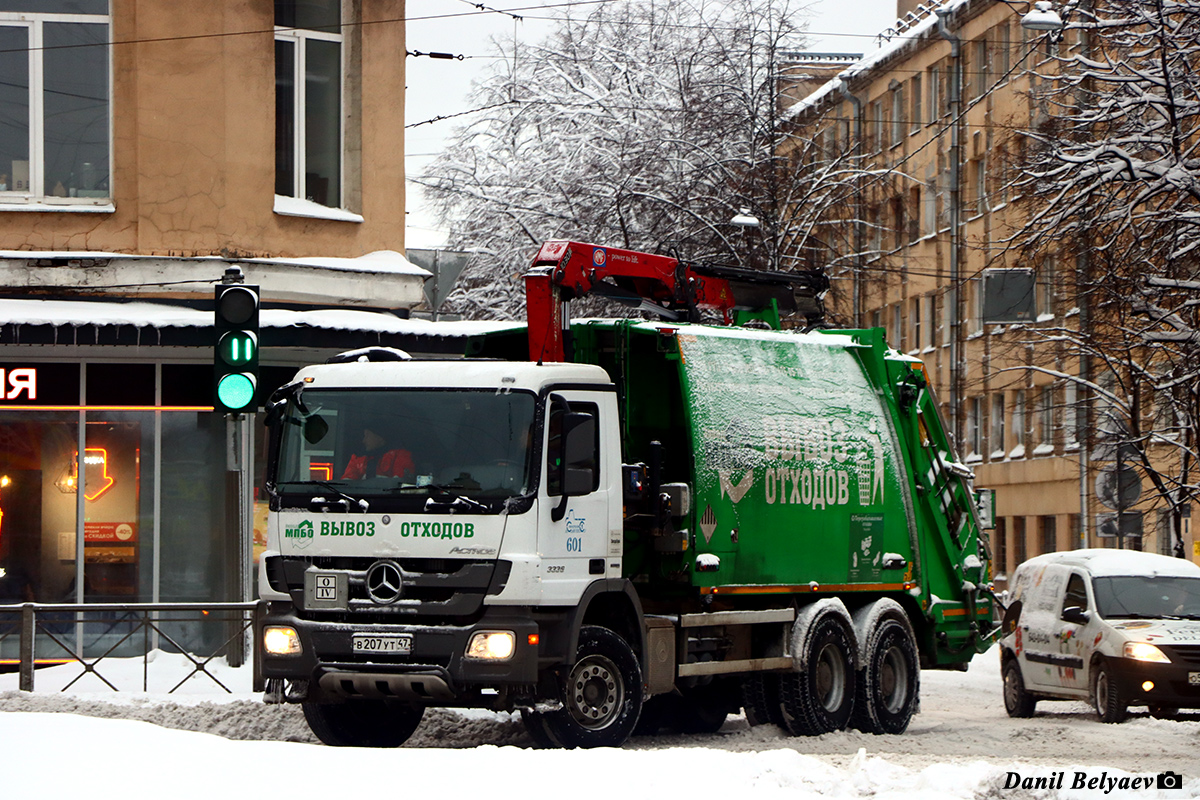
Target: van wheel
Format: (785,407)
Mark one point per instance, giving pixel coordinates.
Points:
(363,723)
(601,694)
(820,698)
(890,682)
(1106,695)
(1017,702)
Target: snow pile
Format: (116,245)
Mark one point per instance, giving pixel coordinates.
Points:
(961,745)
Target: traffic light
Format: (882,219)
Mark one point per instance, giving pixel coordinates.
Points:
(236,357)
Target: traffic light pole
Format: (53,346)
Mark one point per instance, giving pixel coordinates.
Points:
(235,384)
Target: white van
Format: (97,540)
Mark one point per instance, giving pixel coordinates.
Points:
(1119,628)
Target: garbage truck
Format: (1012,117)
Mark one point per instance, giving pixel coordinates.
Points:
(619,526)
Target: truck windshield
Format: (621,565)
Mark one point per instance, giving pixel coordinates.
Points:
(392,443)
(1146,597)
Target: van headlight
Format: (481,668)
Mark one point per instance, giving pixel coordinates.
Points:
(1144,651)
(492,645)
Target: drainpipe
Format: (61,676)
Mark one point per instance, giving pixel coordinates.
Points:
(843,86)
(956,299)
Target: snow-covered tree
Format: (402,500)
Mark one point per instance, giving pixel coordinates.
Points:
(1112,185)
(647,124)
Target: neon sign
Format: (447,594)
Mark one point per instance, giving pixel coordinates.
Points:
(95,465)
(19,380)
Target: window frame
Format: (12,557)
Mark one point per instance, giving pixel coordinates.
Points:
(36,198)
(299,38)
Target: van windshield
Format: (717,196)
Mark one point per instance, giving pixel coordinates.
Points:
(1146,597)
(392,442)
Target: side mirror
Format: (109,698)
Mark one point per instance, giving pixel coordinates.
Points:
(1076,615)
(315,428)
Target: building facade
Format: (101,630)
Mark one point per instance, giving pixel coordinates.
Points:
(148,149)
(929,127)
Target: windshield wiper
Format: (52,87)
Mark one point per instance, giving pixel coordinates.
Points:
(344,499)
(455,500)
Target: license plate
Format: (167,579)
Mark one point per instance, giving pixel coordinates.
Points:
(1194,678)
(373,643)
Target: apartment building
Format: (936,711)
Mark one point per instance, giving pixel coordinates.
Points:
(929,128)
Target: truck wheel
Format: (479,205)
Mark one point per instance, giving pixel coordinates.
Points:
(363,723)
(819,698)
(761,699)
(601,694)
(1017,702)
(1106,694)
(890,682)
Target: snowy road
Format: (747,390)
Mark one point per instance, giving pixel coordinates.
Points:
(962,744)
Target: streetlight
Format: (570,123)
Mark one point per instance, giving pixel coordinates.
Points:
(744,219)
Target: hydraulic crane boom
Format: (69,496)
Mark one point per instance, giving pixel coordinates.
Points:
(564,271)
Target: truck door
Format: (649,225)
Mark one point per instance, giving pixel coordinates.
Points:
(1074,630)
(577,501)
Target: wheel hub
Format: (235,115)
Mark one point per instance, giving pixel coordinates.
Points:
(594,692)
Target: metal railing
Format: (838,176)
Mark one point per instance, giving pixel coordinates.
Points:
(89,633)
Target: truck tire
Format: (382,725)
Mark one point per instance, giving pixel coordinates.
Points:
(1017,702)
(601,694)
(819,698)
(889,683)
(761,700)
(1106,694)
(363,723)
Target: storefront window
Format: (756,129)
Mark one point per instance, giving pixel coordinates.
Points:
(151,496)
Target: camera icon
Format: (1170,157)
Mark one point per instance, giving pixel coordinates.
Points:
(1168,780)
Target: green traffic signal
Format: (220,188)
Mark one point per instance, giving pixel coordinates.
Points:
(237,348)
(236,391)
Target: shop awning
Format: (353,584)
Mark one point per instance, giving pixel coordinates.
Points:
(145,324)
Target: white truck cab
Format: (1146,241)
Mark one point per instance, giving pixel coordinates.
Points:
(1113,627)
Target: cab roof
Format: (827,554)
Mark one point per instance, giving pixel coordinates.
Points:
(1106,562)
(450,374)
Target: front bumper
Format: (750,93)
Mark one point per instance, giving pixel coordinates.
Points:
(1175,685)
(435,672)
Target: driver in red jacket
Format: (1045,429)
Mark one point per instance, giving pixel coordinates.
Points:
(378,460)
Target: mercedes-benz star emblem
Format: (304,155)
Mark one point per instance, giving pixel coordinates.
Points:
(385,582)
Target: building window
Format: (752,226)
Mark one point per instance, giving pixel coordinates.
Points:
(1045,287)
(1003,49)
(1049,526)
(974,427)
(1000,540)
(897,326)
(897,114)
(1018,424)
(914,122)
(917,331)
(982,77)
(1044,430)
(996,435)
(309,137)
(56,95)
(934,85)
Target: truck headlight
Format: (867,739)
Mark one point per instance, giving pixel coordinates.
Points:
(282,641)
(1143,651)
(492,645)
